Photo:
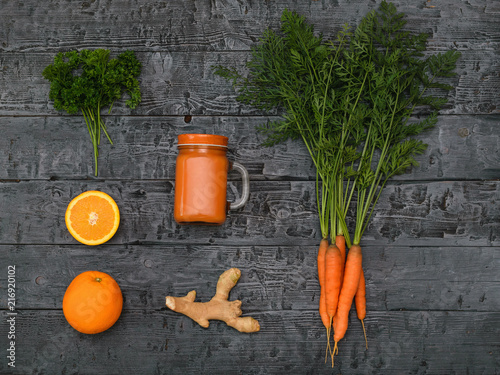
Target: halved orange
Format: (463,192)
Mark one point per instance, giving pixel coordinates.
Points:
(92,217)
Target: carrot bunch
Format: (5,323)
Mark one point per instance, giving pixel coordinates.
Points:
(341,280)
(351,101)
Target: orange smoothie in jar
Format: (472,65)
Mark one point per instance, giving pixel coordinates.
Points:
(201,179)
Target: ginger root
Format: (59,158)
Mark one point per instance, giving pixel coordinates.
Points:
(218,308)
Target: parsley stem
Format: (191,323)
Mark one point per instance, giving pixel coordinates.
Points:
(103,126)
(93,128)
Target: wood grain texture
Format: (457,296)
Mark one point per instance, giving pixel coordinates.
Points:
(145,148)
(194,25)
(177,83)
(278,213)
(274,278)
(160,342)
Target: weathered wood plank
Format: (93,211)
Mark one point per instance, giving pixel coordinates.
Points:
(460,147)
(274,278)
(444,213)
(163,342)
(178,83)
(222,25)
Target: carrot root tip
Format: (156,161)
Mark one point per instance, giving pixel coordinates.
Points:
(364,332)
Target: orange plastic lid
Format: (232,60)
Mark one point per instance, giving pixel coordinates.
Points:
(202,139)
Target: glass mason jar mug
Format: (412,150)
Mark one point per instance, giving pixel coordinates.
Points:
(201,180)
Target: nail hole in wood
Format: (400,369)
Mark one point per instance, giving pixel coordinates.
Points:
(463,132)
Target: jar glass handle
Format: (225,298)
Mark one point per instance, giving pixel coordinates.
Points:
(245,193)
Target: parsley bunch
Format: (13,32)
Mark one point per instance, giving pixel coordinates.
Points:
(88,81)
(351,101)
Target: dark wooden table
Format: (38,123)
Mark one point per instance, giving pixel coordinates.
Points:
(431,253)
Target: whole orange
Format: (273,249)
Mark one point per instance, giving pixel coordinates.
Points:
(93,302)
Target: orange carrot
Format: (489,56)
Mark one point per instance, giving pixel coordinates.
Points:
(321,276)
(352,274)
(360,301)
(340,242)
(333,271)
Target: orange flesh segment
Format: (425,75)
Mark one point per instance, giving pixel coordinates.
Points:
(92,218)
